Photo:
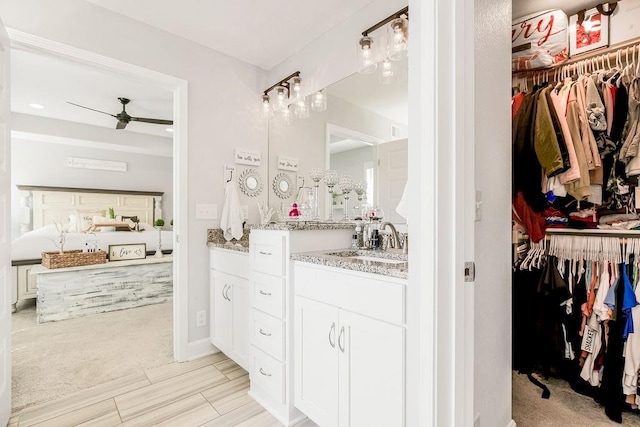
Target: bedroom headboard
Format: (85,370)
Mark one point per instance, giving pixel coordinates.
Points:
(52,204)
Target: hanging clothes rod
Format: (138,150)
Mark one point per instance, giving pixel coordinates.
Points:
(610,53)
(593,232)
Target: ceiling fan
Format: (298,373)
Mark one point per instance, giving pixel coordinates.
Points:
(124,118)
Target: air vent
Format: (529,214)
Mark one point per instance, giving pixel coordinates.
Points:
(395,131)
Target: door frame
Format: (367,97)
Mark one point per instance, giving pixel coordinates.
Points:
(179,87)
(440,330)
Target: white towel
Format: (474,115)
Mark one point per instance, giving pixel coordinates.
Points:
(231,219)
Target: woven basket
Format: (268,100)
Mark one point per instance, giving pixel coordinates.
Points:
(72,258)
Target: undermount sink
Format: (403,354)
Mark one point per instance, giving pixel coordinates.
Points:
(371,256)
(377,259)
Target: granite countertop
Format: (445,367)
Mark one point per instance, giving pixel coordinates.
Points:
(331,259)
(304,225)
(215,239)
(232,246)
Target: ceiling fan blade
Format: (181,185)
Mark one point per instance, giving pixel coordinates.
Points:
(121,125)
(154,121)
(92,109)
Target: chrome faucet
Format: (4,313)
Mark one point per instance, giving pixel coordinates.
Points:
(395,237)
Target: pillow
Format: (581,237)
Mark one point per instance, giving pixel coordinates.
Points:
(85,219)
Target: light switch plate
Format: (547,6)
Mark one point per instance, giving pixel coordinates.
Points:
(206,211)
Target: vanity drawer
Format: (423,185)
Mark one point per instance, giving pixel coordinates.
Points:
(268,334)
(235,263)
(267,253)
(268,374)
(268,294)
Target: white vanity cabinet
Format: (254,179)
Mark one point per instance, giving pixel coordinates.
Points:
(349,347)
(271,313)
(229,304)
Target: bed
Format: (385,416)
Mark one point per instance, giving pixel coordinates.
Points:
(76,209)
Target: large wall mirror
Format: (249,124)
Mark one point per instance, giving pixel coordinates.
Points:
(363,133)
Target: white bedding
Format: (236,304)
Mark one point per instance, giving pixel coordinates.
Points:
(30,245)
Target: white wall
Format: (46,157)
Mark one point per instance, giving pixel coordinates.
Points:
(351,162)
(224,96)
(624,24)
(492,288)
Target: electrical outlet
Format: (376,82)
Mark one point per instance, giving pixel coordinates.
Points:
(201,318)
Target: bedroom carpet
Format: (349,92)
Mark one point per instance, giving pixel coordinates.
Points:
(59,358)
(564,408)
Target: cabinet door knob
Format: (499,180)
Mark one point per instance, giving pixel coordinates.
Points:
(332,331)
(266,374)
(266,334)
(266,294)
(340,341)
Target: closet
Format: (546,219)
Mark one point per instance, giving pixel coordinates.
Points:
(576,228)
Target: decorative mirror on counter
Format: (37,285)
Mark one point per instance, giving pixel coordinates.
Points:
(282,186)
(250,183)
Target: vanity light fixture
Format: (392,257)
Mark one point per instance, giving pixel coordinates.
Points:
(319,101)
(282,98)
(397,44)
(388,72)
(265,104)
(296,88)
(278,96)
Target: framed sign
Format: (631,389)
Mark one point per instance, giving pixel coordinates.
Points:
(127,251)
(539,40)
(588,30)
(288,163)
(245,157)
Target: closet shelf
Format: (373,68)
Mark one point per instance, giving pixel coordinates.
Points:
(611,52)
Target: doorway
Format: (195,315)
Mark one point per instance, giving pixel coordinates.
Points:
(179,209)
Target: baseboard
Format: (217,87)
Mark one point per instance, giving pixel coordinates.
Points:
(276,414)
(200,348)
(511,424)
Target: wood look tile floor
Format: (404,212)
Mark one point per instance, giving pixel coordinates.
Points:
(211,391)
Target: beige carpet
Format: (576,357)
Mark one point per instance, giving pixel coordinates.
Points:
(59,358)
(564,408)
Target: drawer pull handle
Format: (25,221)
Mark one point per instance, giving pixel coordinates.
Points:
(223,294)
(266,334)
(264,253)
(340,341)
(266,294)
(266,374)
(332,342)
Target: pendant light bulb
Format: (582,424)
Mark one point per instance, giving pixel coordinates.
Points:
(281,98)
(296,87)
(367,57)
(388,72)
(319,101)
(397,39)
(301,107)
(265,104)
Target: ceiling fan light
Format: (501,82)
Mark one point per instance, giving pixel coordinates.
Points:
(367,55)
(397,39)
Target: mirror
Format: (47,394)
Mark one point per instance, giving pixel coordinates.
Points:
(363,133)
(282,186)
(250,182)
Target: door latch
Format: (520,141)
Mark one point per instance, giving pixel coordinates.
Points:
(469,271)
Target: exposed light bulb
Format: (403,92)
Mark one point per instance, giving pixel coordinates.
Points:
(367,60)
(296,87)
(397,36)
(319,101)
